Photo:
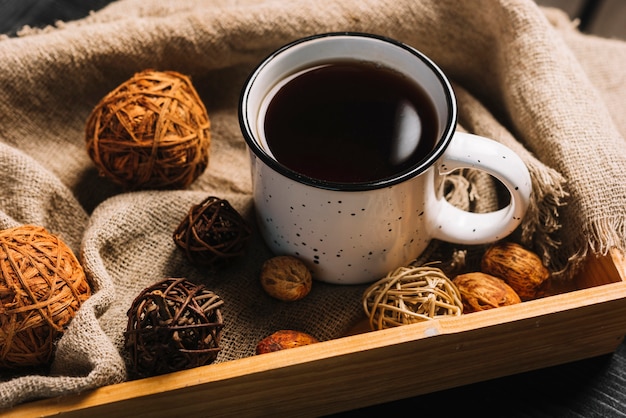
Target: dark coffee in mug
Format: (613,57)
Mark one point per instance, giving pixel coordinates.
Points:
(350,122)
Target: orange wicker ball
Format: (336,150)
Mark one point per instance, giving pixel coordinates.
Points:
(42,285)
(151,132)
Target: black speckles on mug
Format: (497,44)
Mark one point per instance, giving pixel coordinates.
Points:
(347,237)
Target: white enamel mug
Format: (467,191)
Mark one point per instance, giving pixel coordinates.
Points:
(353,233)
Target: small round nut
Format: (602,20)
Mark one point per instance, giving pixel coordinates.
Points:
(286,278)
(518,267)
(284,339)
(480,291)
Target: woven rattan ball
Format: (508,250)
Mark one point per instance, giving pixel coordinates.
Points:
(212,231)
(173,325)
(42,285)
(411,294)
(151,132)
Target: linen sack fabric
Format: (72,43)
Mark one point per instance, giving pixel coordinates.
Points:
(524,76)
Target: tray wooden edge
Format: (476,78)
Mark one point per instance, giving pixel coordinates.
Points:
(298,379)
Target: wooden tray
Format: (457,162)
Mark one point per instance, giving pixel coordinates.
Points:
(367,368)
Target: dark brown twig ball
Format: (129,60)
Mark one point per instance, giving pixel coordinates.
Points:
(151,132)
(173,325)
(212,231)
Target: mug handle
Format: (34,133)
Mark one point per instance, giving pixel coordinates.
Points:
(455,225)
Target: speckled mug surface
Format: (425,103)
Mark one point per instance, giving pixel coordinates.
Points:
(353,233)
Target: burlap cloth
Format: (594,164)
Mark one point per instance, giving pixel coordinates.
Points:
(524,76)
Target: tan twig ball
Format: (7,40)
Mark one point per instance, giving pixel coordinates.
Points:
(151,132)
(42,285)
(411,294)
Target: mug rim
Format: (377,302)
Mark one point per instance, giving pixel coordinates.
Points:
(440,145)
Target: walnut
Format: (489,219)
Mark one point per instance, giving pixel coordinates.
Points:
(286,278)
(518,267)
(480,291)
(284,339)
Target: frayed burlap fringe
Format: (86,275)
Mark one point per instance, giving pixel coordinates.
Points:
(541,224)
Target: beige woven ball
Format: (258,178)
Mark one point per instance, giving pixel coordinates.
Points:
(409,295)
(151,132)
(42,285)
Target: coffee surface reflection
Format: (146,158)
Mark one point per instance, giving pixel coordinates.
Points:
(349,122)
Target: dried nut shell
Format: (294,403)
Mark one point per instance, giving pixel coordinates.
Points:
(480,291)
(518,267)
(286,278)
(284,339)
